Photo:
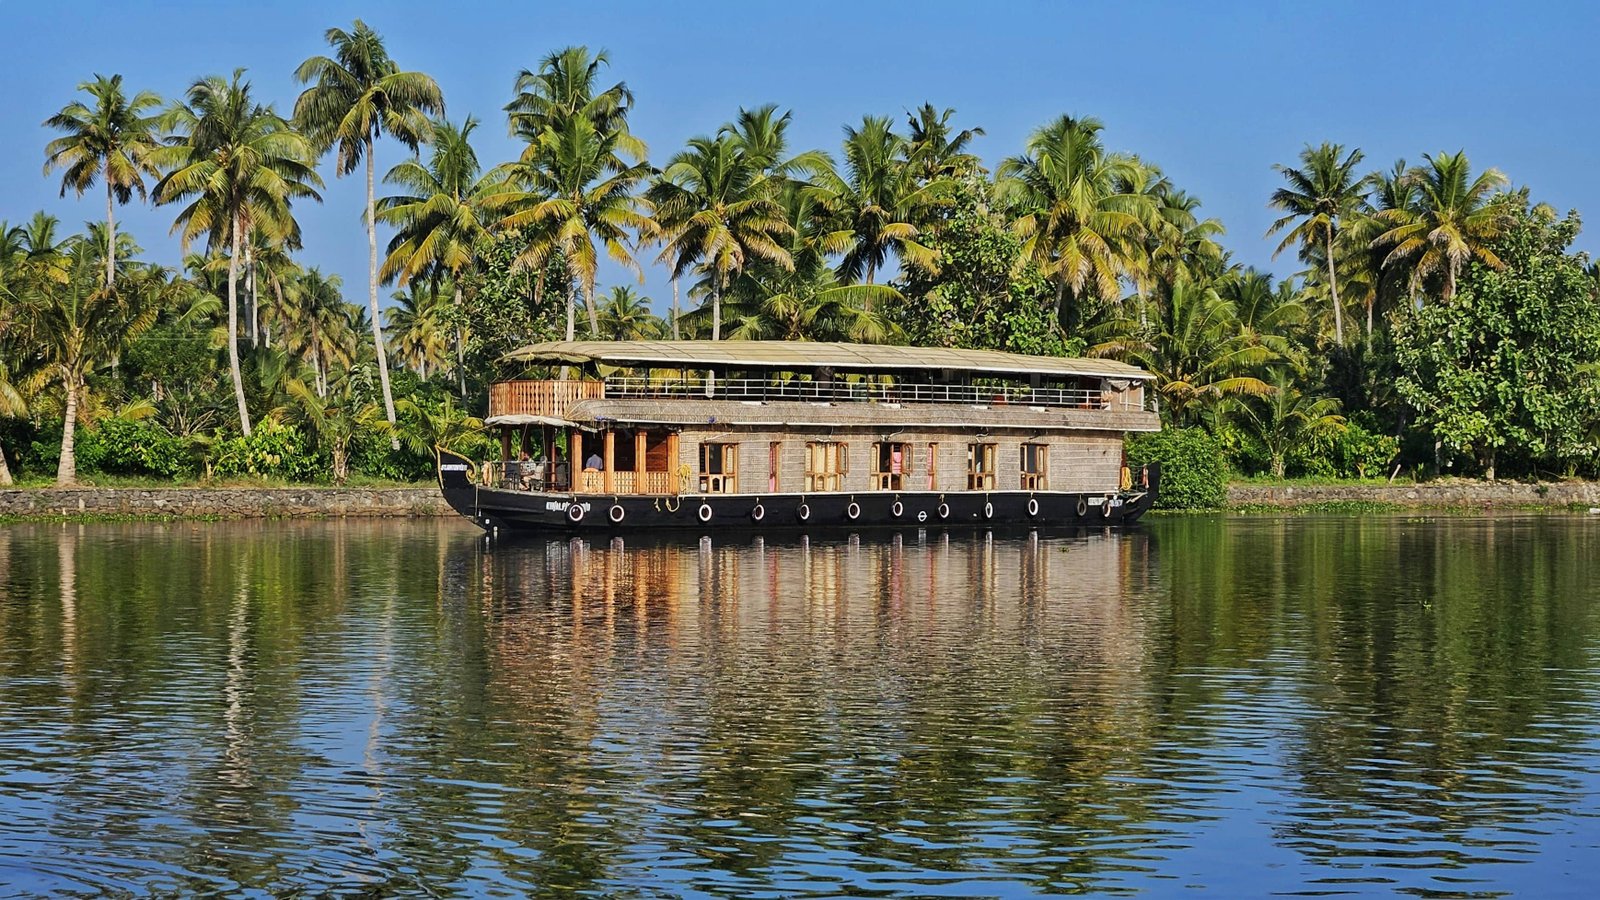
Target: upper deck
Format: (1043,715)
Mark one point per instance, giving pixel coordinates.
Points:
(770,382)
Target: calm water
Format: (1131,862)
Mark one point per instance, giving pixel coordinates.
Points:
(1226,707)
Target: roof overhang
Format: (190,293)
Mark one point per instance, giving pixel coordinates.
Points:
(807,356)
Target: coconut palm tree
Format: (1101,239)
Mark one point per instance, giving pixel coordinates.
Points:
(356,96)
(240,166)
(1286,420)
(79,324)
(441,217)
(716,209)
(935,150)
(1454,220)
(332,417)
(625,316)
(805,302)
(573,192)
(573,187)
(566,85)
(317,327)
(876,203)
(1194,347)
(112,140)
(1319,199)
(1076,209)
(417,329)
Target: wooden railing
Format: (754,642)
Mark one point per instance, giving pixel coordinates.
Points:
(628,483)
(540,398)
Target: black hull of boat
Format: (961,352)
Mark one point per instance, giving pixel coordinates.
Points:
(531,512)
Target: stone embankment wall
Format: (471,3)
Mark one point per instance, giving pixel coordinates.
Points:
(1465,494)
(228,503)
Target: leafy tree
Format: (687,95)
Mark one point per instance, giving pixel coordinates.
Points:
(441,219)
(1454,221)
(1318,200)
(113,140)
(574,185)
(510,305)
(1287,421)
(79,324)
(875,202)
(240,166)
(1507,363)
(416,328)
(985,295)
(1074,206)
(626,316)
(355,96)
(716,208)
(1194,474)
(332,417)
(317,326)
(1195,349)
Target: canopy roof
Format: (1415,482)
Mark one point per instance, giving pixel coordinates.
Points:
(807,355)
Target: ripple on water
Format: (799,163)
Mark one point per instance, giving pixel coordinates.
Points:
(397,708)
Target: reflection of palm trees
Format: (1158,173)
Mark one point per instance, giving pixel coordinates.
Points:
(67,581)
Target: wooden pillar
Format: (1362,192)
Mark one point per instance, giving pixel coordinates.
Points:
(672,462)
(611,457)
(575,460)
(638,461)
(505,443)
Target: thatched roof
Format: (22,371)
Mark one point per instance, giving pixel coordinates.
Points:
(802,356)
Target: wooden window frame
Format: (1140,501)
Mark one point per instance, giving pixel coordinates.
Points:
(829,478)
(885,479)
(981,460)
(1037,479)
(725,481)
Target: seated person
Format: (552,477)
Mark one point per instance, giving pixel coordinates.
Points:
(593,463)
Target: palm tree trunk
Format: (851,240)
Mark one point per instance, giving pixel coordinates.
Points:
(111,239)
(5,470)
(67,465)
(588,305)
(233,331)
(675,335)
(1450,293)
(716,308)
(1333,293)
(572,314)
(316,364)
(250,293)
(372,303)
(461,352)
(1061,304)
(277,294)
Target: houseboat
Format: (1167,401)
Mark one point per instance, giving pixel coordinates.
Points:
(633,435)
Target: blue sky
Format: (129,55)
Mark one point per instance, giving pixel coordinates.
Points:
(1215,93)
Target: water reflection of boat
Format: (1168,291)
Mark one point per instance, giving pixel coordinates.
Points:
(748,434)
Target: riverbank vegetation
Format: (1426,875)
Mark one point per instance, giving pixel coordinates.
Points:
(1432,318)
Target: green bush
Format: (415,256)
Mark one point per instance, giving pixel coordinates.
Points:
(274,451)
(1361,451)
(372,455)
(119,447)
(1194,474)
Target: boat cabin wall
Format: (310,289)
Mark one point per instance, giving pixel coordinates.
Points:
(1074,461)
